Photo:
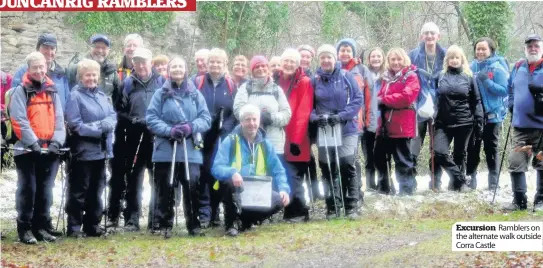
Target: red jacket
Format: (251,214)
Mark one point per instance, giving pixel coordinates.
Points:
(364,114)
(398,95)
(300,100)
(4,87)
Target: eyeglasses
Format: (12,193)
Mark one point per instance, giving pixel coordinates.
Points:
(429,33)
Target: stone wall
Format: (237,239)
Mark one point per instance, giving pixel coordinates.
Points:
(20,30)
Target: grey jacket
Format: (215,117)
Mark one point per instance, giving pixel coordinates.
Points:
(265,98)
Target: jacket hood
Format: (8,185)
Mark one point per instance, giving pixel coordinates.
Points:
(388,76)
(297,75)
(185,87)
(439,49)
(336,72)
(260,135)
(79,87)
(479,65)
(47,84)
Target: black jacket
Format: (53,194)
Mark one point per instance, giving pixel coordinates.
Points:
(136,96)
(458,100)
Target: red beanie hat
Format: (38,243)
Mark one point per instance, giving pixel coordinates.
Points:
(258,59)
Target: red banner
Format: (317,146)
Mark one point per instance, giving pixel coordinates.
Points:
(97,5)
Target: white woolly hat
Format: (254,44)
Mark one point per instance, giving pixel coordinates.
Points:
(327,49)
(291,53)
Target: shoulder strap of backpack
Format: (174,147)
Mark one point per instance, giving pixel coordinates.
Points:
(230,84)
(200,81)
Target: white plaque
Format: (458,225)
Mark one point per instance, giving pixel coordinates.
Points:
(257,191)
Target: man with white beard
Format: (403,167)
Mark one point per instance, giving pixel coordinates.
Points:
(526,106)
(99,51)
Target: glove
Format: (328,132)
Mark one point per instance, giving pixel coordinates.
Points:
(139,121)
(322,121)
(35,148)
(295,149)
(479,130)
(482,76)
(535,89)
(265,118)
(54,147)
(334,119)
(106,127)
(180,131)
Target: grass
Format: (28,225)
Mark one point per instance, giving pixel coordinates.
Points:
(379,239)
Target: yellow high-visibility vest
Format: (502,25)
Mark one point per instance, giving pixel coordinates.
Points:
(261,169)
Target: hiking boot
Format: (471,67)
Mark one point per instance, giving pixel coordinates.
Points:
(216,223)
(27,238)
(76,234)
(42,235)
(520,202)
(352,214)
(95,232)
(168,232)
(538,207)
(131,228)
(50,230)
(246,226)
(196,232)
(232,232)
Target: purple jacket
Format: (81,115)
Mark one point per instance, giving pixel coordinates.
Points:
(338,93)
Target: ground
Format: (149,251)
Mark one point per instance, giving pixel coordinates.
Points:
(393,232)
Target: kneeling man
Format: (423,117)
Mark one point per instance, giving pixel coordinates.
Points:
(246,152)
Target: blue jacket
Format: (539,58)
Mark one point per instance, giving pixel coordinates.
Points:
(216,97)
(493,90)
(58,75)
(521,100)
(427,85)
(222,166)
(338,93)
(85,110)
(170,106)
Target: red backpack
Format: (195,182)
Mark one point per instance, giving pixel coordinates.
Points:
(199,80)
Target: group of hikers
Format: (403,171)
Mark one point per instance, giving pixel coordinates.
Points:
(208,133)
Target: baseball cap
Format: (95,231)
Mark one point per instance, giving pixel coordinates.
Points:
(532,37)
(143,53)
(47,39)
(100,38)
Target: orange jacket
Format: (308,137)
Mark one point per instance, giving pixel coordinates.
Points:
(354,67)
(36,113)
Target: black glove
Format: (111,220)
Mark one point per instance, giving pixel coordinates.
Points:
(334,119)
(322,121)
(139,121)
(35,148)
(265,118)
(479,130)
(295,149)
(106,127)
(54,147)
(534,89)
(482,76)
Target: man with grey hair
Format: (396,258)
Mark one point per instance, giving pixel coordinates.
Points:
(526,107)
(37,118)
(246,152)
(200,58)
(137,92)
(428,57)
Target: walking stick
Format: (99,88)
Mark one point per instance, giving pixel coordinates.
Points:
(432,155)
(339,170)
(501,162)
(310,190)
(187,177)
(60,214)
(172,170)
(330,169)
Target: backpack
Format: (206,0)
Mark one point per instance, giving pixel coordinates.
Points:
(250,92)
(199,80)
(10,137)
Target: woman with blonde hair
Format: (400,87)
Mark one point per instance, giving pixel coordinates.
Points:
(398,91)
(91,120)
(459,109)
(376,62)
(240,67)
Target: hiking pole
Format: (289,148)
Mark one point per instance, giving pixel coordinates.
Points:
(136,155)
(106,164)
(187,177)
(432,155)
(339,170)
(310,191)
(172,170)
(501,162)
(329,167)
(62,178)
